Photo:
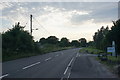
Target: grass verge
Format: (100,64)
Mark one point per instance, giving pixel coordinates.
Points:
(17,56)
(44,50)
(91,50)
(110,63)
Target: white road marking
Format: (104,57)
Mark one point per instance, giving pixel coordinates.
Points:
(3,76)
(61,78)
(65,70)
(31,65)
(48,59)
(68,66)
(77,54)
(70,62)
(69,75)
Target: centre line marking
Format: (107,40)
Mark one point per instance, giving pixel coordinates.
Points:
(61,78)
(68,66)
(69,75)
(3,76)
(77,54)
(65,70)
(70,62)
(47,59)
(31,65)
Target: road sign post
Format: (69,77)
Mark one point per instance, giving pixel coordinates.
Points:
(113,45)
(112,49)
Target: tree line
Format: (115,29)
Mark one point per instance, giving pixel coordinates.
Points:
(17,41)
(104,36)
(64,42)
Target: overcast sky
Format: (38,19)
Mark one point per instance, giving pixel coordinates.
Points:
(73,20)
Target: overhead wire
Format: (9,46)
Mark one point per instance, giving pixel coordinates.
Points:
(41,25)
(21,19)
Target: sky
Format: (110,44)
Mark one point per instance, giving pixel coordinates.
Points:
(73,20)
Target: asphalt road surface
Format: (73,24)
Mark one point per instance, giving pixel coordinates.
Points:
(62,64)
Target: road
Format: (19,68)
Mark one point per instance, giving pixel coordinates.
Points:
(61,64)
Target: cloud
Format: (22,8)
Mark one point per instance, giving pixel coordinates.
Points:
(79,19)
(79,11)
(4,5)
(100,12)
(61,15)
(51,9)
(60,18)
(76,12)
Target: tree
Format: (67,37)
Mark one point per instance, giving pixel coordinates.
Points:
(91,43)
(114,35)
(16,40)
(99,37)
(104,37)
(52,40)
(104,43)
(64,42)
(75,43)
(83,42)
(42,41)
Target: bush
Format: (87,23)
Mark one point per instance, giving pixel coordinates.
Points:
(17,42)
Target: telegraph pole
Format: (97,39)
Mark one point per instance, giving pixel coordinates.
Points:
(31,24)
(119,10)
(113,45)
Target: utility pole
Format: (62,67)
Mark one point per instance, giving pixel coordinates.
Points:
(31,24)
(114,52)
(113,45)
(119,10)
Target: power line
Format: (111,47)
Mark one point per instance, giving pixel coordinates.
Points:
(40,25)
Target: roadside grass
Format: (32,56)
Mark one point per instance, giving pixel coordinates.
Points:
(111,64)
(17,56)
(44,50)
(91,50)
(52,48)
(112,58)
(111,61)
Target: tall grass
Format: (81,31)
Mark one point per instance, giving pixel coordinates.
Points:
(43,50)
(91,50)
